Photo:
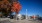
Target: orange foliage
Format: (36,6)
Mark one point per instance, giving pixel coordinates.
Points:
(16,7)
(5,5)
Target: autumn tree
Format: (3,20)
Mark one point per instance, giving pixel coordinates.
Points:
(16,7)
(5,6)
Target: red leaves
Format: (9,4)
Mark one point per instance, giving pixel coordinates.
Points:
(16,7)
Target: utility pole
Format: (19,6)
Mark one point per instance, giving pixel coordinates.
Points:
(26,13)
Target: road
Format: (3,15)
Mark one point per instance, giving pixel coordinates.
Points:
(7,20)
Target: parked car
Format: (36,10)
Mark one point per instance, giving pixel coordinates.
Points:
(40,18)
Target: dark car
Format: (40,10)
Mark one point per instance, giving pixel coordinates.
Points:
(40,18)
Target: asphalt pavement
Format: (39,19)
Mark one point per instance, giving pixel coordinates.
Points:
(7,20)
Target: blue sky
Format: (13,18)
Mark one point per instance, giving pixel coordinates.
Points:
(34,7)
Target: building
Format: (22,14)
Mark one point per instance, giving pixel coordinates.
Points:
(19,16)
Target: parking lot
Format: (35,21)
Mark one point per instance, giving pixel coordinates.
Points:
(8,20)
